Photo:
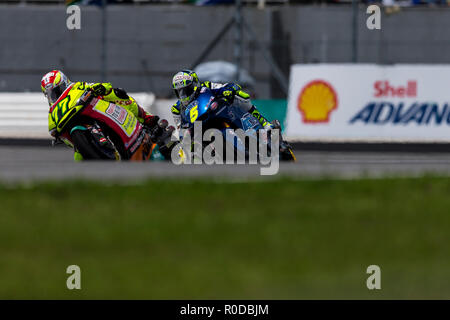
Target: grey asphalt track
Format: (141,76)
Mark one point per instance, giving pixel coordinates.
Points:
(28,163)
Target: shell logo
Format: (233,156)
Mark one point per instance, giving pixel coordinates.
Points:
(316,101)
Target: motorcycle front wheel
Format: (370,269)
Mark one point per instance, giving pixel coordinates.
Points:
(84,143)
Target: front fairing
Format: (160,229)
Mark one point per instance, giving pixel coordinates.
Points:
(197,110)
(65,108)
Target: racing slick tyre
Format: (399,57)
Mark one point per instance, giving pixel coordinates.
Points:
(84,143)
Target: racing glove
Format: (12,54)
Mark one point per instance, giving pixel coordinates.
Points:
(161,132)
(228,95)
(229,91)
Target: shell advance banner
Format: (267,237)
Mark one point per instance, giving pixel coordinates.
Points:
(361,102)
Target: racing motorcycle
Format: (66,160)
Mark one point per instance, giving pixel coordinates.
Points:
(101,130)
(221,115)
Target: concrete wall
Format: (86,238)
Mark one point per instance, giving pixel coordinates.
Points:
(147,44)
(414,35)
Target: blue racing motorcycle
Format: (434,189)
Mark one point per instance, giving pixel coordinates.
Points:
(219,114)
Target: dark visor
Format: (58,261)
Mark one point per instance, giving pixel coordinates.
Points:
(185,92)
(55,93)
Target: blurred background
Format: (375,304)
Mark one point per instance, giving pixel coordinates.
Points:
(140,44)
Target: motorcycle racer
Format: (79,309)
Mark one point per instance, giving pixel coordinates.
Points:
(55,83)
(187,86)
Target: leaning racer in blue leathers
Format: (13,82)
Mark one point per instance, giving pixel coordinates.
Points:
(187,86)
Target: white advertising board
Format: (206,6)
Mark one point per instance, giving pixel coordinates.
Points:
(362,102)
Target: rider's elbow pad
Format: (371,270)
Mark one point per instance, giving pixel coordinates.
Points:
(121,93)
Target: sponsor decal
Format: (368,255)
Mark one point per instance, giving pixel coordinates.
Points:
(180,79)
(385,112)
(183,77)
(117,112)
(125,120)
(123,102)
(137,143)
(130,123)
(316,101)
(385,89)
(400,113)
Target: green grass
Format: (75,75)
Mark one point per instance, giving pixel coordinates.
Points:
(205,240)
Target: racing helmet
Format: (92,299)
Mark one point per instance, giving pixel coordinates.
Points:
(185,84)
(53,84)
